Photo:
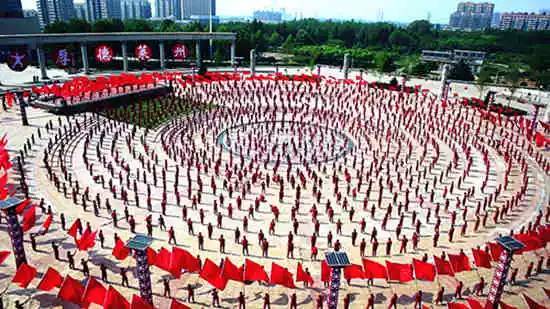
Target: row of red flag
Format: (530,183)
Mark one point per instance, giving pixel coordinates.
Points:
(73,291)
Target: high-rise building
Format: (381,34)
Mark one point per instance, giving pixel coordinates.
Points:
(472,16)
(11,9)
(184,9)
(13,19)
(525,21)
(96,9)
(80,11)
(113,9)
(201,8)
(164,8)
(135,9)
(50,11)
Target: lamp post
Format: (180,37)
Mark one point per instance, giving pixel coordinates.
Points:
(336,260)
(9,206)
(501,272)
(139,244)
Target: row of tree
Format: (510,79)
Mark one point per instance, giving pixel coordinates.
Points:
(382,46)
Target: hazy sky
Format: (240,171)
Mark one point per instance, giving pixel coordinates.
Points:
(393,10)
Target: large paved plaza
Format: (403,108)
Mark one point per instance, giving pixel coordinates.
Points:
(297,167)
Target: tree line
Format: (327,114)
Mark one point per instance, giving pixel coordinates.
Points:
(380,46)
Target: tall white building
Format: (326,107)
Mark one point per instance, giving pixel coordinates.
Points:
(525,21)
(472,16)
(50,11)
(135,9)
(184,9)
(96,9)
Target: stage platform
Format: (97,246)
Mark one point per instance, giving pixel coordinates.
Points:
(97,104)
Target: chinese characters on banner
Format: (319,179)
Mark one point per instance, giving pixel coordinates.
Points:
(179,51)
(104,54)
(143,52)
(18,61)
(63,58)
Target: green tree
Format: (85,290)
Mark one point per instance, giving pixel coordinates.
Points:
(108,25)
(461,71)
(420,27)
(78,26)
(289,43)
(275,39)
(137,25)
(384,62)
(483,78)
(401,38)
(56,27)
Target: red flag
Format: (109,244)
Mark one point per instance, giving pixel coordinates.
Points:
(183,259)
(281,275)
(114,300)
(459,262)
(4,255)
(212,274)
(254,272)
(496,250)
(162,260)
(481,258)
(354,271)
(74,228)
(139,303)
(325,271)
(531,303)
(47,223)
(29,219)
(87,241)
(506,306)
(24,275)
(374,270)
(443,267)
(531,242)
(51,279)
(71,290)
(399,272)
(21,207)
(94,293)
(120,251)
(474,303)
(457,306)
(540,139)
(176,305)
(151,256)
(231,272)
(302,276)
(423,271)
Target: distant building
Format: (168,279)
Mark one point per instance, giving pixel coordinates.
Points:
(80,11)
(525,21)
(184,9)
(268,16)
(474,59)
(50,11)
(164,8)
(96,9)
(472,16)
(198,8)
(113,9)
(495,22)
(14,20)
(11,9)
(135,9)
